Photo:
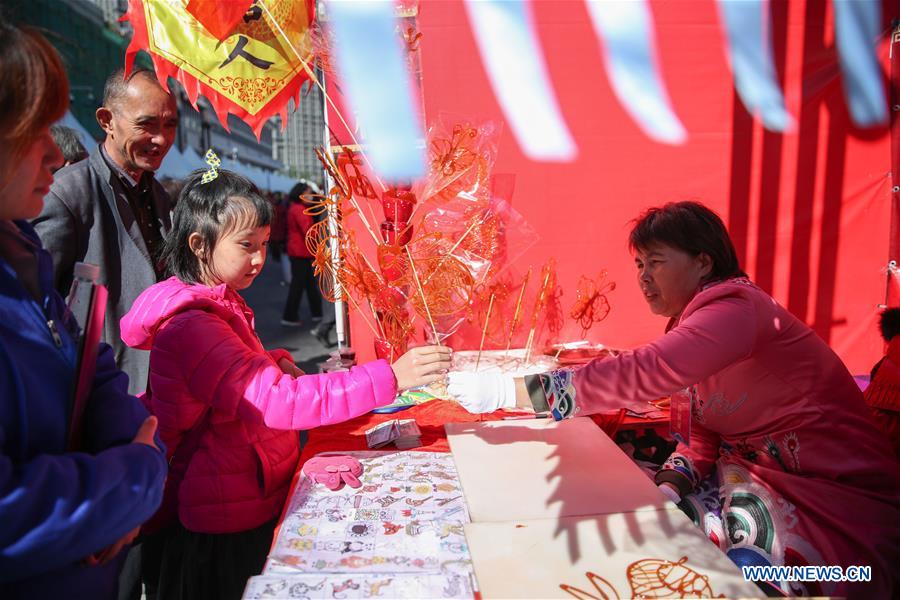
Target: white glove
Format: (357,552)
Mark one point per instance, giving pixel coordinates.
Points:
(670,493)
(482,392)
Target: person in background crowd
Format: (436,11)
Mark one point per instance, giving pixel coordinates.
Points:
(883,393)
(226,405)
(279,233)
(322,331)
(65,516)
(110,211)
(780,433)
(68,142)
(173,190)
(302,277)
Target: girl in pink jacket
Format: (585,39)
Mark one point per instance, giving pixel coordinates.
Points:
(783,465)
(228,409)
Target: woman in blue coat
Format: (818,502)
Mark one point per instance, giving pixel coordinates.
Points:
(65,517)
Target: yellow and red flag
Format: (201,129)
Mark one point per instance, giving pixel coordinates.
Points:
(248,57)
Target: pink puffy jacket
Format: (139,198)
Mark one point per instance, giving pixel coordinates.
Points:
(209,371)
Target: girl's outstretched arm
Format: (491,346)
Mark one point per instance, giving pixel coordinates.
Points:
(220,370)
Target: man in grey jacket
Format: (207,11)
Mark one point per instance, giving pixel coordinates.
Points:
(110,211)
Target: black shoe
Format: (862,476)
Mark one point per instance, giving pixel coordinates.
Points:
(322,336)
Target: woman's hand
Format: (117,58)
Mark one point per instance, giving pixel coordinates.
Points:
(110,552)
(421,366)
(482,392)
(146,433)
(670,491)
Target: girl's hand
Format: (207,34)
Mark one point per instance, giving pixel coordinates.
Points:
(421,366)
(289,368)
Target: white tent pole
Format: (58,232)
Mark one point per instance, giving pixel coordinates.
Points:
(341,323)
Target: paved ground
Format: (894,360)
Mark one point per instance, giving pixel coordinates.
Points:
(266,297)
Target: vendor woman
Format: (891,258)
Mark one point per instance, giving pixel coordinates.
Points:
(779,431)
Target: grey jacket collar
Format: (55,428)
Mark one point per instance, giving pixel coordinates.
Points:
(117,200)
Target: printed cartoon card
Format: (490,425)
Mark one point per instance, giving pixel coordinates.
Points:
(391,586)
(406,517)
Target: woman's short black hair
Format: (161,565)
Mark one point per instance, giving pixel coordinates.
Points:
(300,188)
(692,228)
(210,209)
(889,323)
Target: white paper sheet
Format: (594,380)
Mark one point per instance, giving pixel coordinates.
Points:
(543,469)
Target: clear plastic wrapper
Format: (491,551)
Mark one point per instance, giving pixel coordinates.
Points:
(460,159)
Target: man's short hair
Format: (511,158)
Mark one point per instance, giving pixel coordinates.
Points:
(69,143)
(117,84)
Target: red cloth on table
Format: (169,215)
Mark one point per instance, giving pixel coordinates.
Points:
(430,417)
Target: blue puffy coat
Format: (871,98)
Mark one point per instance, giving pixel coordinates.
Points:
(57,507)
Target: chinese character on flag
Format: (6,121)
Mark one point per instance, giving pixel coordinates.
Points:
(248,58)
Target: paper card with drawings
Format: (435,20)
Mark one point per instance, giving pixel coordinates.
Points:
(408,516)
(304,586)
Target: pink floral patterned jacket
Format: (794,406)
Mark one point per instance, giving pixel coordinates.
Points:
(804,476)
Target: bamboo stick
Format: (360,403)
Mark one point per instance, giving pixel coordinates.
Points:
(484,331)
(534,318)
(412,267)
(515,320)
(377,320)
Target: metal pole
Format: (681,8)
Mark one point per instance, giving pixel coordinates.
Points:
(341,323)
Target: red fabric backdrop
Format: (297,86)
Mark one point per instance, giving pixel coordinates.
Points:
(809,211)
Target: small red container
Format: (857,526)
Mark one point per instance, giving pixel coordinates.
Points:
(398,205)
(396,234)
(390,297)
(384,350)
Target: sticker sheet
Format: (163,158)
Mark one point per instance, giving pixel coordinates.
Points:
(357,586)
(407,518)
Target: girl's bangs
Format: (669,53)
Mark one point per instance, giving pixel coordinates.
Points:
(246,213)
